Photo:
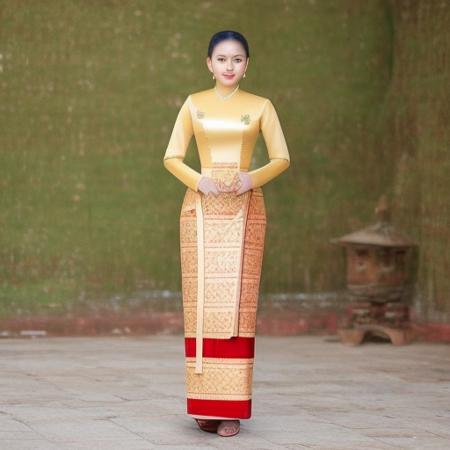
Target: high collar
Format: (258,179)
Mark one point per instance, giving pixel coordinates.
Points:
(226,96)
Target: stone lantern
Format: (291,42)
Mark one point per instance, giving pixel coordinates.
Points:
(378,259)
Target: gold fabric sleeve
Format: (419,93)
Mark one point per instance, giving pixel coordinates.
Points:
(176,149)
(276,148)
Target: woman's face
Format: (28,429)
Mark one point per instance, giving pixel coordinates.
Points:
(228,62)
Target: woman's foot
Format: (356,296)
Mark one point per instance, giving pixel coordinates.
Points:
(228,427)
(209,425)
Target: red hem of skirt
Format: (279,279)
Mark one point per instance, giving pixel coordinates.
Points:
(227,408)
(234,347)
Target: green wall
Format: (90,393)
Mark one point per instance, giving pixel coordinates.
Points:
(89,94)
(418,138)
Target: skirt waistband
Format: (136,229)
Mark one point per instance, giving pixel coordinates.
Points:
(209,170)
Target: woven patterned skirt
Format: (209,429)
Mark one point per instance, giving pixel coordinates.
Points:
(222,244)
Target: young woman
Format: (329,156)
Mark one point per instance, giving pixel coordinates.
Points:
(222,229)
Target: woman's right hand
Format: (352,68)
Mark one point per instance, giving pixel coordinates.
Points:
(207,186)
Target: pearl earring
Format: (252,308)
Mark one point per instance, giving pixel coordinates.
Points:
(244,74)
(213,77)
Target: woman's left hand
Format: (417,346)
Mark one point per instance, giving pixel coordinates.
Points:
(246,183)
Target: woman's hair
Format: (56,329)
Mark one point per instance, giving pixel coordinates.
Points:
(224,35)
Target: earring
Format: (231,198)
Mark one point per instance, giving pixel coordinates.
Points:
(213,77)
(244,74)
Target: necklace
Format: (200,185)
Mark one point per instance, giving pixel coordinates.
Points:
(224,97)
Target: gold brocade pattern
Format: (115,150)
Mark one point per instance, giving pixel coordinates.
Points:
(233,232)
(222,379)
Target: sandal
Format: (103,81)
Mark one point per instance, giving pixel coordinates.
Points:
(208,425)
(228,427)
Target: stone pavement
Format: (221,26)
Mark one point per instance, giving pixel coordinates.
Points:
(127,393)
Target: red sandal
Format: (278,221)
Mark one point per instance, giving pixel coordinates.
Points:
(228,428)
(208,425)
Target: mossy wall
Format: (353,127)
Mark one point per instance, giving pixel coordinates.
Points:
(89,94)
(418,138)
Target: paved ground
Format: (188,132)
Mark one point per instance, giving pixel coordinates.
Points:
(308,392)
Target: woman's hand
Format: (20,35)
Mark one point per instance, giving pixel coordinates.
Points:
(207,186)
(246,183)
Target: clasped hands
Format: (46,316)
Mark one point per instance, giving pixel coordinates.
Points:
(207,185)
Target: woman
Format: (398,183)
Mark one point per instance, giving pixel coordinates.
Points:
(222,228)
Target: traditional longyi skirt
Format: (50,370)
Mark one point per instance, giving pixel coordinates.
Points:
(222,244)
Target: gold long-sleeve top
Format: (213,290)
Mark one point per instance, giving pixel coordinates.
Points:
(226,130)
